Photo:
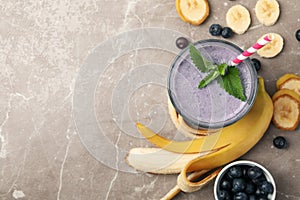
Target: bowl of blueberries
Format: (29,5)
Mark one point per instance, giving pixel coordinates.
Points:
(244,180)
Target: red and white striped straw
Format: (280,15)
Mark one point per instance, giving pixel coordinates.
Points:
(258,45)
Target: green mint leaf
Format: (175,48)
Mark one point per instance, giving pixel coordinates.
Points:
(232,84)
(209,78)
(202,64)
(222,68)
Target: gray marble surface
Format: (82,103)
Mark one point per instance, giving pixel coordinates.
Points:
(76,75)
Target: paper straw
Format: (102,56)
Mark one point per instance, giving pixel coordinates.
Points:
(258,45)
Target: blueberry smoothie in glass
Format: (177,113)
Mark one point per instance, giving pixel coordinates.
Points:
(210,107)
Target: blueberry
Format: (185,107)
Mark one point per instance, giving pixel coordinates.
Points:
(257,192)
(245,169)
(182,42)
(235,172)
(226,32)
(262,198)
(240,196)
(256,63)
(225,184)
(266,188)
(259,180)
(254,172)
(252,197)
(297,34)
(215,29)
(229,177)
(250,188)
(224,195)
(280,142)
(238,185)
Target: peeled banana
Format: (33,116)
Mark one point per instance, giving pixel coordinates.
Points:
(273,48)
(289,81)
(267,11)
(286,109)
(238,19)
(158,161)
(233,141)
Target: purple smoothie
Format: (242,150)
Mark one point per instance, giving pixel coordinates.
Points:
(210,107)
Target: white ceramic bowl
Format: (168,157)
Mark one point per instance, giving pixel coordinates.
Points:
(248,163)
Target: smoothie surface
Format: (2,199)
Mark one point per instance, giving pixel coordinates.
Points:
(212,106)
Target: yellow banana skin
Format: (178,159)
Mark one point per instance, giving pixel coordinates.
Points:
(239,137)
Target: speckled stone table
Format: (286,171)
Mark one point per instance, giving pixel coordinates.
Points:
(77,74)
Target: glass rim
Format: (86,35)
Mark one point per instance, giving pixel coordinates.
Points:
(209,125)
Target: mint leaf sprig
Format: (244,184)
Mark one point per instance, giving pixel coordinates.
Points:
(227,76)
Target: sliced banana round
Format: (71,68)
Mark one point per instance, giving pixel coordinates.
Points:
(238,19)
(267,11)
(289,81)
(286,109)
(273,48)
(193,11)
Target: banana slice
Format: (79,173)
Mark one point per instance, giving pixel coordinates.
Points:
(267,11)
(289,81)
(193,11)
(273,48)
(238,19)
(286,109)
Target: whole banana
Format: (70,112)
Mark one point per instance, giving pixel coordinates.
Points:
(226,145)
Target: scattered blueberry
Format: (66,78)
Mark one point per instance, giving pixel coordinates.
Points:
(280,142)
(224,195)
(297,34)
(215,29)
(226,32)
(254,172)
(256,63)
(238,185)
(240,196)
(235,172)
(182,42)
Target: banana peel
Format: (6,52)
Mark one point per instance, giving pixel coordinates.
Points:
(231,135)
(187,147)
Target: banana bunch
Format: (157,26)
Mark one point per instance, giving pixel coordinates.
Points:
(206,152)
(287,102)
